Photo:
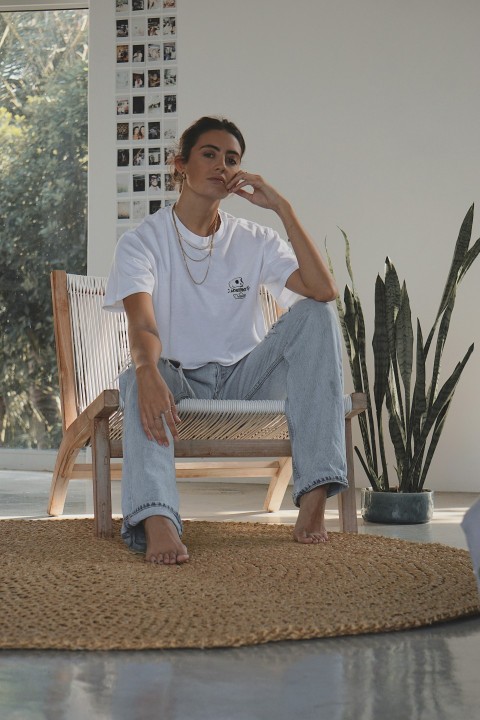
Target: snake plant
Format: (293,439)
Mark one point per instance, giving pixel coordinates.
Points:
(416,409)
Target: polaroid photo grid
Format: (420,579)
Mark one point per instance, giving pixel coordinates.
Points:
(145,107)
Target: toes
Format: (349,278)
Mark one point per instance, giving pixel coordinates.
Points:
(168,558)
(303,538)
(320,537)
(311,538)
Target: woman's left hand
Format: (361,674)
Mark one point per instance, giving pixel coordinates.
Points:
(262,194)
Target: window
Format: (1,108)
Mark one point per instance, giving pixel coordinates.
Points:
(43,207)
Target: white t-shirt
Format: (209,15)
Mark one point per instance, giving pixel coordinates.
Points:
(220,320)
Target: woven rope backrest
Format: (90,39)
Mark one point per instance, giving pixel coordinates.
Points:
(270,308)
(100,340)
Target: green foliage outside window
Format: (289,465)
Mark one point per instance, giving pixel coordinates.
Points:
(43,200)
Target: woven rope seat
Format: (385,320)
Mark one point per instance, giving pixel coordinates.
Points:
(224,420)
(93,350)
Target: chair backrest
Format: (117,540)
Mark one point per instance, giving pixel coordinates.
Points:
(92,345)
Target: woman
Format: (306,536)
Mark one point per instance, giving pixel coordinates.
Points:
(188,278)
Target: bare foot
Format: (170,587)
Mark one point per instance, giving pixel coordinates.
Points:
(310,526)
(164,546)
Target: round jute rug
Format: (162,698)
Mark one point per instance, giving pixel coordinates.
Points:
(245,584)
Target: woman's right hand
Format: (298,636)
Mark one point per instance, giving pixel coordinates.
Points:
(156,405)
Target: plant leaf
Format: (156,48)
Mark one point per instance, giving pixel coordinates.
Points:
(392,303)
(437,431)
(468,259)
(381,354)
(444,396)
(441,339)
(419,404)
(458,260)
(347,258)
(369,472)
(404,343)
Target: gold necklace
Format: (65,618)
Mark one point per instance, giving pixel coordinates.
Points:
(185,255)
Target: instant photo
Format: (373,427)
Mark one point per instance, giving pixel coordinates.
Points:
(138,155)
(154,183)
(123,106)
(170,104)
(123,210)
(138,80)
(153,25)
(138,131)
(169,183)
(154,205)
(154,156)
(123,183)
(138,53)
(169,129)
(121,80)
(154,78)
(154,52)
(169,51)
(137,27)
(123,131)
(154,131)
(155,104)
(139,183)
(169,26)
(138,104)
(170,77)
(122,28)
(122,53)
(123,157)
(139,209)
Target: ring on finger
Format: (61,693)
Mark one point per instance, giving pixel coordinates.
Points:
(162,414)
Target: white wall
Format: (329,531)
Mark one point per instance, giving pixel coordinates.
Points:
(366,115)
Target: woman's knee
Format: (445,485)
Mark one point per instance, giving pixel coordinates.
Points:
(313,309)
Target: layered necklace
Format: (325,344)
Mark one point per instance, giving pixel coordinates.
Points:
(208,249)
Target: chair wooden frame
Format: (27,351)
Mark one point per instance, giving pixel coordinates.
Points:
(93,424)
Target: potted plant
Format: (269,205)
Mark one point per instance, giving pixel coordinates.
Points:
(416,406)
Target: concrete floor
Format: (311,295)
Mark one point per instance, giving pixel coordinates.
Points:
(425,674)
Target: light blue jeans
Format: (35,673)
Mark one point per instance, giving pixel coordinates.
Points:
(299,361)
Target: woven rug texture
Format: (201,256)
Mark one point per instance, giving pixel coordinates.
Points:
(246,583)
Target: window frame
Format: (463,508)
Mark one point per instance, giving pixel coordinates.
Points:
(22,459)
(20,6)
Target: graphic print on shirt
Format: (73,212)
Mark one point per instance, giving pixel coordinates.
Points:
(238,288)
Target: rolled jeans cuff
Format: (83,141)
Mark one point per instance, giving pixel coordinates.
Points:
(133,530)
(336,485)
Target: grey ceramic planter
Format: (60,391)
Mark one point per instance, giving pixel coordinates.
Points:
(395,508)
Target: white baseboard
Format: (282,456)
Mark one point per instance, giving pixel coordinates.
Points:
(35,460)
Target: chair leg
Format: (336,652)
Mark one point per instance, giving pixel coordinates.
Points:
(61,475)
(102,490)
(347,504)
(278,485)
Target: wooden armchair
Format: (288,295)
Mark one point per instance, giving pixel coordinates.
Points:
(92,349)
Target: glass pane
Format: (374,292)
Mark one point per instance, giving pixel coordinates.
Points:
(43,207)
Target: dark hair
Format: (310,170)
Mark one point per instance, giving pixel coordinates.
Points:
(191,135)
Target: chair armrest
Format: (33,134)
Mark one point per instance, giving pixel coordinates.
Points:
(80,430)
(104,404)
(359,405)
